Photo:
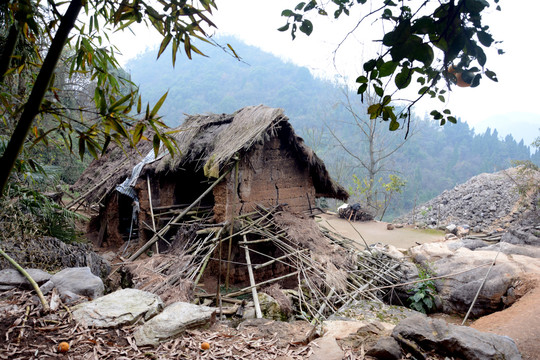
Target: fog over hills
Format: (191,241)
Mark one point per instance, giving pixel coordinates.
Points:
(434,159)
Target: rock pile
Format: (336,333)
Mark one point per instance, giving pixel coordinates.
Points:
(50,254)
(484,203)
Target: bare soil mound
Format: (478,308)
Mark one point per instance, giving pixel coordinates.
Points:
(521,321)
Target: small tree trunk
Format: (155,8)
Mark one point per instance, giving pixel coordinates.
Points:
(7,51)
(31,108)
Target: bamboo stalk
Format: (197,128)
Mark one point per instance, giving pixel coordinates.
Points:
(164,230)
(205,262)
(29,278)
(256,267)
(235,194)
(258,311)
(152,210)
(248,289)
(89,191)
(323,306)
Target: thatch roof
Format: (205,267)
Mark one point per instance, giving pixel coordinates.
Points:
(208,142)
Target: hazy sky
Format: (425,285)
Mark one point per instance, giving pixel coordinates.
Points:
(255,22)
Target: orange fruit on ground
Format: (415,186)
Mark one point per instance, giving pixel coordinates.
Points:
(63,347)
(205,346)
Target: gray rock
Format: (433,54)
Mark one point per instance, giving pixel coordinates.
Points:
(174,320)
(457,341)
(366,310)
(458,290)
(511,249)
(387,348)
(270,308)
(11,278)
(122,307)
(451,229)
(51,254)
(326,348)
(79,281)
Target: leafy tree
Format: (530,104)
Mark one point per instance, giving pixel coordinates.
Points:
(114,116)
(438,44)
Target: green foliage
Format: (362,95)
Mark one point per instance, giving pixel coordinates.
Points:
(114,114)
(380,193)
(423,294)
(26,212)
(421,45)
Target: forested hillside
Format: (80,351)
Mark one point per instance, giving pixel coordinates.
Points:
(433,158)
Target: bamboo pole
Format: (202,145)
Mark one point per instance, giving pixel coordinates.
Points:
(278,259)
(29,278)
(258,311)
(235,194)
(166,228)
(248,289)
(151,210)
(89,191)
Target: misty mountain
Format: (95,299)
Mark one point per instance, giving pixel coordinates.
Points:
(432,160)
(219,83)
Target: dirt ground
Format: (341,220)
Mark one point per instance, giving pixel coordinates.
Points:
(376,232)
(521,321)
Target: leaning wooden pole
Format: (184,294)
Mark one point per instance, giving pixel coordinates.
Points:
(258,311)
(235,194)
(151,208)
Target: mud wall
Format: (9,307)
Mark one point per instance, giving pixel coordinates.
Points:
(162,195)
(268,175)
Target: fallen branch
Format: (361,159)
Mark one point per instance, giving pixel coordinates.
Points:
(29,278)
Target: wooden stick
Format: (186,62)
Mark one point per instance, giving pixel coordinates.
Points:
(258,311)
(205,261)
(235,194)
(89,191)
(151,209)
(247,289)
(278,259)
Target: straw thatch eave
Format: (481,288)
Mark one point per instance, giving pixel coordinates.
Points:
(208,143)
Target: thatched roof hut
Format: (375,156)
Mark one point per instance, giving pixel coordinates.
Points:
(273,166)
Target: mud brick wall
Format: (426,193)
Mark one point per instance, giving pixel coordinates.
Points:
(109,219)
(267,175)
(162,195)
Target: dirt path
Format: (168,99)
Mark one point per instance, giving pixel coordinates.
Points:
(521,321)
(376,232)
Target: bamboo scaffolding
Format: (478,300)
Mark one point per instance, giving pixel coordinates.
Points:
(88,192)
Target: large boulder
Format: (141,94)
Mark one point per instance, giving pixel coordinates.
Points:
(464,271)
(174,320)
(75,282)
(12,278)
(368,311)
(122,307)
(452,340)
